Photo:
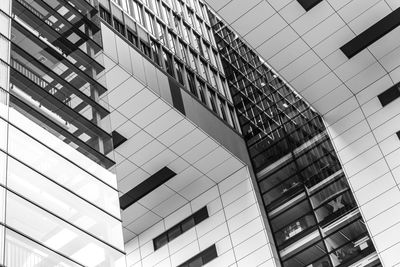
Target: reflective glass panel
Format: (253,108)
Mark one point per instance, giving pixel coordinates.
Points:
(59,235)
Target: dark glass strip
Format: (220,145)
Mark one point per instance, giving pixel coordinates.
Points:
(146,187)
(372,34)
(180,228)
(389,95)
(202,258)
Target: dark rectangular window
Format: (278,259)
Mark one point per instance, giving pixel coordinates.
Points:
(155,51)
(145,187)
(389,95)
(308,4)
(145,49)
(168,63)
(398,134)
(372,34)
(202,258)
(179,72)
(132,38)
(192,83)
(119,26)
(180,228)
(104,14)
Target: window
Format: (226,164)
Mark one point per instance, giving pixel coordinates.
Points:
(177,25)
(180,228)
(168,63)
(204,70)
(119,26)
(135,11)
(202,93)
(132,38)
(149,22)
(191,83)
(193,60)
(196,42)
(171,42)
(184,53)
(372,34)
(389,95)
(211,97)
(222,109)
(179,6)
(161,33)
(156,51)
(104,14)
(191,19)
(186,33)
(152,5)
(145,49)
(179,72)
(214,79)
(202,258)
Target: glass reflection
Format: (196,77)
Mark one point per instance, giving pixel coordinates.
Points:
(59,235)
(46,193)
(21,251)
(62,171)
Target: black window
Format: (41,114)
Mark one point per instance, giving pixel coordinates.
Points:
(398,134)
(145,48)
(180,228)
(389,95)
(104,14)
(132,38)
(168,63)
(372,34)
(202,258)
(192,83)
(119,26)
(179,72)
(156,51)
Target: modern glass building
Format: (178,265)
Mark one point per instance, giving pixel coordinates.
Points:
(59,201)
(158,133)
(311,210)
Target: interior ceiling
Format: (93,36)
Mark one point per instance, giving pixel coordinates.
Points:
(303,47)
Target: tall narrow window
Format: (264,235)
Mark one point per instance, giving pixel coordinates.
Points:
(155,51)
(179,72)
(135,11)
(119,26)
(191,83)
(168,63)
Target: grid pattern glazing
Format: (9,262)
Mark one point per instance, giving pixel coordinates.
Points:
(177,37)
(311,209)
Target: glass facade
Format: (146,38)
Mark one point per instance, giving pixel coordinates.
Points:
(59,203)
(176,36)
(312,213)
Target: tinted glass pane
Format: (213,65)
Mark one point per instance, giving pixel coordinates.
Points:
(307,257)
(187,224)
(23,252)
(160,241)
(174,232)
